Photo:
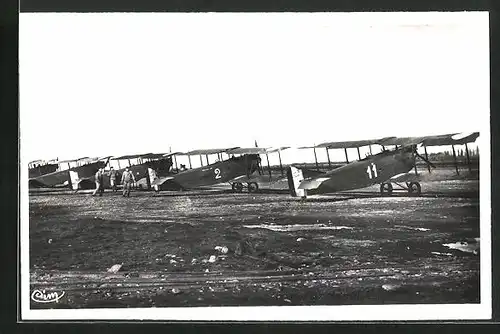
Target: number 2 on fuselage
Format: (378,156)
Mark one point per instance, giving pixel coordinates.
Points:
(371,170)
(217,173)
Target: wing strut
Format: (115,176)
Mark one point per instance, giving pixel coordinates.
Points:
(316,159)
(455,158)
(175,161)
(281,166)
(413,154)
(468,158)
(268,166)
(346,158)
(427,158)
(430,164)
(328,156)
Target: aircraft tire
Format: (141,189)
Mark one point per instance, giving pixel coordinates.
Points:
(386,188)
(237,187)
(253,187)
(414,188)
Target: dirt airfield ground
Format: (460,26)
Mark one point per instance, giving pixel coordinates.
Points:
(221,249)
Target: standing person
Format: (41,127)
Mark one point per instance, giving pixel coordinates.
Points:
(127,180)
(112,179)
(99,186)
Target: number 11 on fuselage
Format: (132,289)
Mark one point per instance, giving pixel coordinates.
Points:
(371,170)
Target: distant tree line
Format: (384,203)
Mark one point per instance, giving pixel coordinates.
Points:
(448,154)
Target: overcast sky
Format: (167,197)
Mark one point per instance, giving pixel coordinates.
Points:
(112,84)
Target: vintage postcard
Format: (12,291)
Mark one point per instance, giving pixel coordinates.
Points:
(255,166)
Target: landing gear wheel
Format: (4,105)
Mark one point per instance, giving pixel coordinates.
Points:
(414,188)
(253,187)
(386,188)
(237,187)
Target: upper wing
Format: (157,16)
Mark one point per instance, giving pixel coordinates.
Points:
(437,140)
(72,160)
(209,151)
(257,150)
(250,150)
(347,144)
(278,149)
(174,153)
(143,156)
(451,139)
(403,141)
(154,156)
(231,150)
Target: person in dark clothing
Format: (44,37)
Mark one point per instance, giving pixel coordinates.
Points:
(112,179)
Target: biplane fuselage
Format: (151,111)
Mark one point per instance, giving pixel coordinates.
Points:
(383,168)
(150,169)
(218,172)
(375,169)
(68,176)
(367,172)
(42,170)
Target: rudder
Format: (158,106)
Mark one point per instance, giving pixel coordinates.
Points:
(295,177)
(74,179)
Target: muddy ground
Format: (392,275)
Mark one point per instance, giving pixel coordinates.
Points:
(328,250)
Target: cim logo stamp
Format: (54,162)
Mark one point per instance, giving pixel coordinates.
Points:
(43,297)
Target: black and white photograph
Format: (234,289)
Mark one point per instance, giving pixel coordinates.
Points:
(255,166)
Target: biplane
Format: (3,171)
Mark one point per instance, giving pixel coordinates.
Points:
(42,167)
(236,170)
(76,174)
(387,168)
(145,167)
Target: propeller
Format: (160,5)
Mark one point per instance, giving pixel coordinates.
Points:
(107,162)
(253,165)
(102,159)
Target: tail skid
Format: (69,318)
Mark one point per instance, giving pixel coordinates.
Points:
(295,177)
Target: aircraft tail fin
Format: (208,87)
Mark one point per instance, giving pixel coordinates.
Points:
(295,177)
(75,179)
(152,174)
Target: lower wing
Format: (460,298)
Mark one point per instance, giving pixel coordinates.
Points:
(313,183)
(160,180)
